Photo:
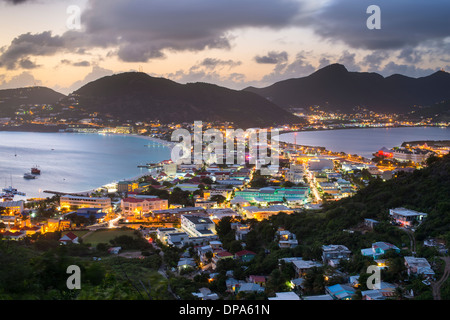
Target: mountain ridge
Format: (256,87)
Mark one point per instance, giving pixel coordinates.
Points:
(336,88)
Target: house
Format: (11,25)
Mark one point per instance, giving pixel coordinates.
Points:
(13,235)
(333,254)
(205,294)
(69,238)
(370,223)
(114,250)
(95,213)
(220,255)
(261,280)
(378,249)
(384,291)
(245,255)
(185,264)
(419,266)
(198,226)
(406,217)
(301,266)
(249,287)
(177,239)
(286,239)
(285,296)
(319,297)
(340,292)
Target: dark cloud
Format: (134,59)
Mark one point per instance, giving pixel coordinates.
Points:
(272,58)
(84,63)
(404,23)
(15,1)
(212,63)
(299,67)
(26,45)
(143,29)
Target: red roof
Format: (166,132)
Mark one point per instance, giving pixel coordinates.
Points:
(257,278)
(11,234)
(224,254)
(133,200)
(244,252)
(71,236)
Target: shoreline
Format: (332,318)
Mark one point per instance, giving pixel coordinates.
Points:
(167,144)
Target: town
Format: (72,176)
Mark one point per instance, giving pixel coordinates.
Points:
(221,229)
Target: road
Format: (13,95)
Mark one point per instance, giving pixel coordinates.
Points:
(436,286)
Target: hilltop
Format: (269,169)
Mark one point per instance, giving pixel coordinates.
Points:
(13,99)
(335,88)
(138,97)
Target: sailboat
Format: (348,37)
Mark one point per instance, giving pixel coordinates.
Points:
(12,191)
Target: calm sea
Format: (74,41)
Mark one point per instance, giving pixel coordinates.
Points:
(365,142)
(72,162)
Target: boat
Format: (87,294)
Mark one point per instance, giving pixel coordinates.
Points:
(29,176)
(10,190)
(35,170)
(7,197)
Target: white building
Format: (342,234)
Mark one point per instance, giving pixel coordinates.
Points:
(406,217)
(133,206)
(86,202)
(197,226)
(419,266)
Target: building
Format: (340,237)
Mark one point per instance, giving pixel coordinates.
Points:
(134,206)
(384,291)
(162,233)
(274,194)
(87,213)
(177,239)
(301,266)
(197,226)
(12,207)
(340,292)
(127,186)
(69,238)
(286,239)
(285,296)
(378,249)
(419,266)
(406,217)
(220,255)
(245,255)
(333,254)
(260,214)
(86,202)
(18,235)
(416,155)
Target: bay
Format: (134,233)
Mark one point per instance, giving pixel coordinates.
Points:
(73,162)
(364,142)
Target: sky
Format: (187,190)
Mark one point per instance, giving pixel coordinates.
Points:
(64,44)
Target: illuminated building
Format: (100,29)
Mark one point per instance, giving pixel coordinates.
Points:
(86,202)
(134,206)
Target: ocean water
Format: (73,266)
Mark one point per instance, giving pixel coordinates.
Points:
(73,162)
(365,142)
